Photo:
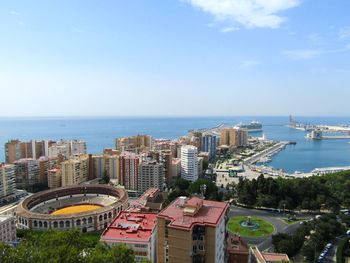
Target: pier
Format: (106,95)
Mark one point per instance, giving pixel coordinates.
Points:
(335,137)
(269,151)
(330,169)
(213,131)
(318,135)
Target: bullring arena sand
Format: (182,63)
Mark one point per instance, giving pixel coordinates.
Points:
(75,209)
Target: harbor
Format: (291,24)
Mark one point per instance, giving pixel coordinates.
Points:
(317,134)
(266,155)
(317,130)
(260,159)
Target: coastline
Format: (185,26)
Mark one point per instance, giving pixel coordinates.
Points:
(100,133)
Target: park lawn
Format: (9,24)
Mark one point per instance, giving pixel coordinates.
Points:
(265,228)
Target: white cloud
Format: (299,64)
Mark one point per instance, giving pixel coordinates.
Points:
(301,54)
(229,29)
(18,17)
(249,63)
(15,13)
(344,33)
(249,13)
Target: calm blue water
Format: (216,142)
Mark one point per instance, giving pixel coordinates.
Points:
(99,133)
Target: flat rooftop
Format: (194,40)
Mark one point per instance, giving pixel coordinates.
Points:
(274,257)
(130,227)
(235,244)
(184,213)
(269,257)
(5,217)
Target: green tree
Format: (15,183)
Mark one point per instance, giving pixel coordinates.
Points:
(63,246)
(103,253)
(7,254)
(182,184)
(211,191)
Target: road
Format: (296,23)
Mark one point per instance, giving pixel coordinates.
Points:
(265,243)
(331,255)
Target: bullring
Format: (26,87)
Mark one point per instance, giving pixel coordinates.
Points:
(90,208)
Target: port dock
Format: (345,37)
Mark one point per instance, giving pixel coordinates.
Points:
(335,137)
(317,134)
(267,152)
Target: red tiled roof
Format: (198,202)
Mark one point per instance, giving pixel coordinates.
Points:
(209,214)
(130,227)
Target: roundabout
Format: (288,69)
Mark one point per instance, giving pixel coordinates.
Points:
(250,226)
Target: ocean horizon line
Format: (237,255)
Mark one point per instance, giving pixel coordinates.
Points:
(162,116)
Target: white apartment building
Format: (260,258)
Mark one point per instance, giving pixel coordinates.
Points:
(27,173)
(54,178)
(151,175)
(189,163)
(129,170)
(106,165)
(7,180)
(67,148)
(98,164)
(75,171)
(7,228)
(136,230)
(112,166)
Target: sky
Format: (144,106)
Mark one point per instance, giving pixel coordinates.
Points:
(174,57)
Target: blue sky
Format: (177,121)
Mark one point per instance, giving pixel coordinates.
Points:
(174,57)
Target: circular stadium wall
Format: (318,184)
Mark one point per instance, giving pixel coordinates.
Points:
(86,207)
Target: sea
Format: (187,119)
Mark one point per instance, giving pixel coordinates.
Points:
(101,132)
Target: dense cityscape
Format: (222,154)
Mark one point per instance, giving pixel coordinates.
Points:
(207,196)
(179,131)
